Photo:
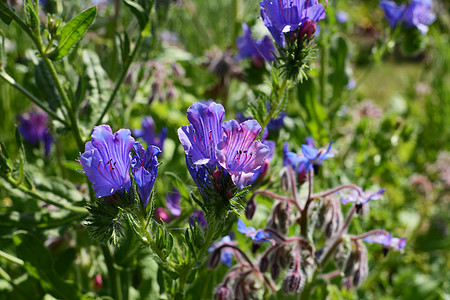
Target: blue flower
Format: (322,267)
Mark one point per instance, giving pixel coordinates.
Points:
(147,133)
(226,254)
(287,16)
(33,127)
(199,139)
(416,14)
(387,241)
(257,50)
(173,202)
(144,166)
(364,198)
(106,160)
(239,154)
(314,157)
(256,235)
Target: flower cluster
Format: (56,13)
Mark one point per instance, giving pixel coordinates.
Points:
(221,156)
(287,19)
(107,161)
(417,14)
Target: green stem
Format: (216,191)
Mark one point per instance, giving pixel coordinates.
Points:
(323,70)
(304,216)
(11,258)
(274,109)
(72,114)
(30,96)
(121,78)
(206,245)
(47,200)
(113,274)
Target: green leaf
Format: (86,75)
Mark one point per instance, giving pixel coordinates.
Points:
(72,33)
(21,158)
(138,11)
(38,220)
(98,86)
(39,264)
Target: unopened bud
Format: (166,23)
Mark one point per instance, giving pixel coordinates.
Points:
(363,268)
(350,265)
(308,28)
(250,208)
(213,260)
(161,215)
(293,282)
(98,282)
(263,264)
(222,293)
(275,271)
(217,175)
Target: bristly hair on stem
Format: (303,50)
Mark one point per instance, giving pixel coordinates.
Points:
(293,60)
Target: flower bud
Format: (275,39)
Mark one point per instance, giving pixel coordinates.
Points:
(250,208)
(222,292)
(263,264)
(98,282)
(293,282)
(214,259)
(363,268)
(362,209)
(217,175)
(350,265)
(308,28)
(275,271)
(161,215)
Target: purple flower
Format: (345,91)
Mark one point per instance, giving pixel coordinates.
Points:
(173,202)
(144,166)
(287,16)
(257,50)
(365,198)
(416,14)
(387,241)
(239,153)
(341,16)
(33,127)
(106,160)
(147,133)
(255,235)
(199,139)
(276,123)
(199,217)
(226,254)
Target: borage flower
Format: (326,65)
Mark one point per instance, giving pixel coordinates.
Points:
(226,254)
(144,166)
(387,241)
(257,236)
(314,157)
(147,133)
(362,199)
(285,18)
(258,51)
(106,160)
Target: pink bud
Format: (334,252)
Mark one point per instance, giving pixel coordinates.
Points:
(98,282)
(217,174)
(308,28)
(161,214)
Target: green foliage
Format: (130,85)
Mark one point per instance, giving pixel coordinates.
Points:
(72,32)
